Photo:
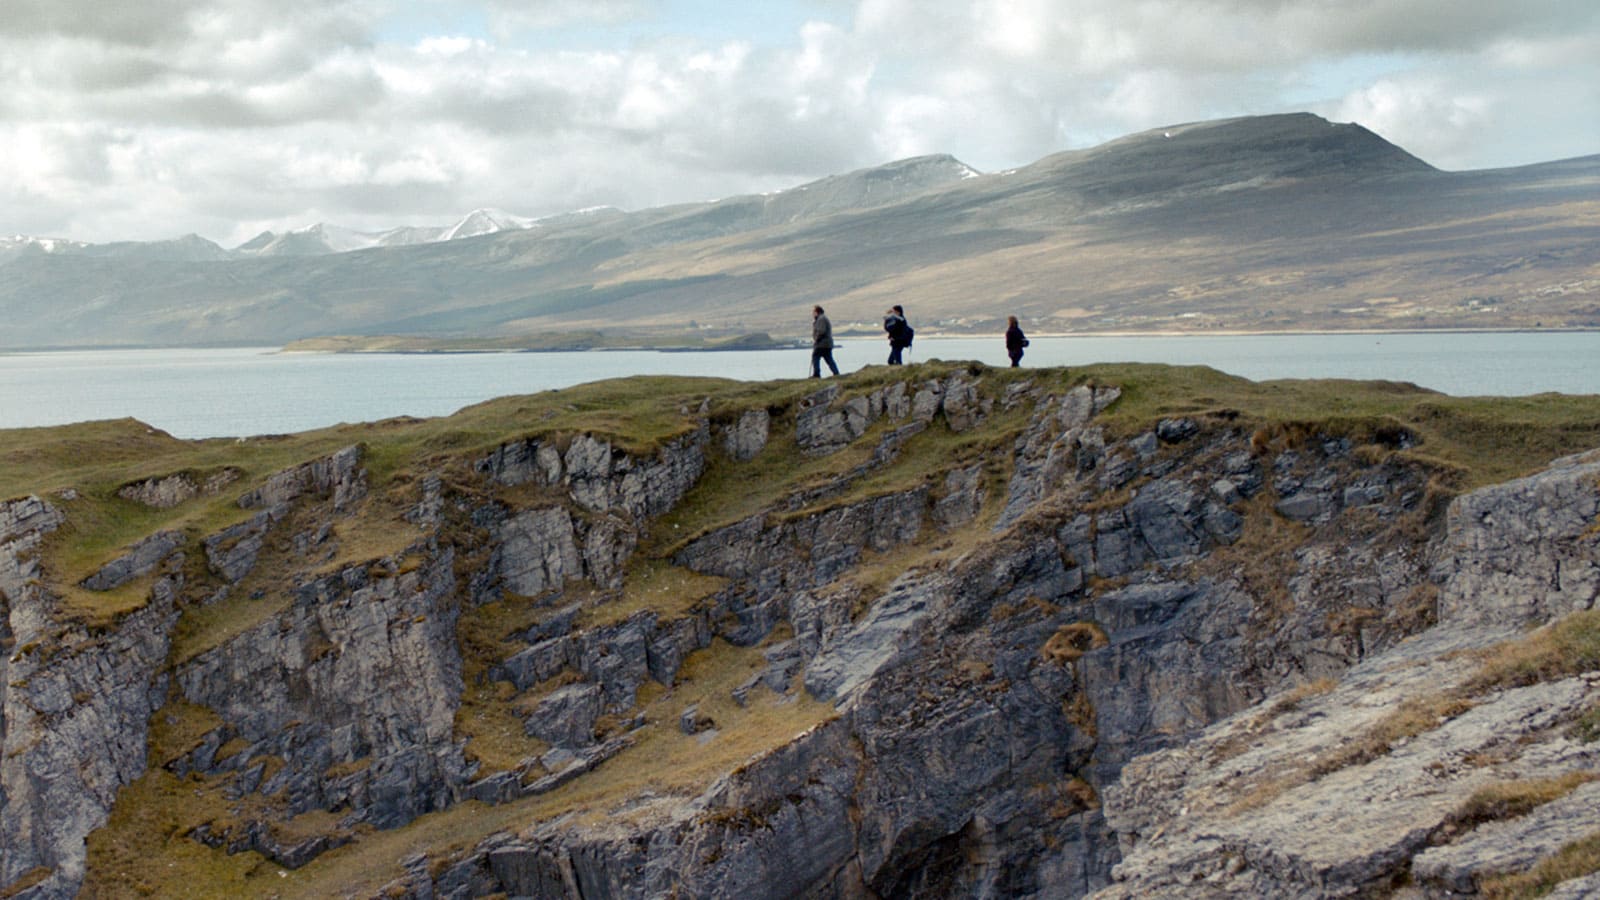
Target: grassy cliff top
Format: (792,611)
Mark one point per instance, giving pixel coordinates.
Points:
(1486,439)
(1472,441)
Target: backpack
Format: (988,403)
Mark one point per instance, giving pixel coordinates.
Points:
(907,333)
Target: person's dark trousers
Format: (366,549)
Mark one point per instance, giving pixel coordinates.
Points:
(822,356)
(1015,360)
(894,354)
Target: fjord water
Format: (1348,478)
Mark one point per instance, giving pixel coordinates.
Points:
(236,392)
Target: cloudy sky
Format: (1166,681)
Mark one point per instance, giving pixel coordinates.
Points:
(148,119)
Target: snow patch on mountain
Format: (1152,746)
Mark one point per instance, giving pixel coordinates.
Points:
(324,238)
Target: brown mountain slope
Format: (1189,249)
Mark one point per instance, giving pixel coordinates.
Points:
(1273,223)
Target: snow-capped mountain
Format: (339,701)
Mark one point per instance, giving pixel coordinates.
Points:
(324,238)
(316,240)
(189,248)
(19,244)
(486,221)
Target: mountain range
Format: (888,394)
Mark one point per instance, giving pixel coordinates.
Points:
(314,240)
(1267,223)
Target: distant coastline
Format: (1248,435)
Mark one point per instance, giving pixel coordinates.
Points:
(599,342)
(560,344)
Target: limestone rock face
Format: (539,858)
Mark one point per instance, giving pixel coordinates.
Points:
(1125,665)
(600,477)
(1296,798)
(142,557)
(338,477)
(984,707)
(171,490)
(745,440)
(24,523)
(74,711)
(1525,551)
(162,493)
(317,687)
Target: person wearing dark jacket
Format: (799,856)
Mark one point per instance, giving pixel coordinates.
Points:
(1015,341)
(821,343)
(894,322)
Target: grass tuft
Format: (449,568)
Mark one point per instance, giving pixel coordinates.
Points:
(1569,646)
(1510,799)
(1072,641)
(1575,860)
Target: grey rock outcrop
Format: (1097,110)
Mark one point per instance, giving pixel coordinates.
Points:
(984,706)
(745,439)
(73,710)
(338,477)
(1075,685)
(24,522)
(317,687)
(1525,551)
(821,427)
(168,491)
(1058,443)
(600,477)
(1315,795)
(826,424)
(231,552)
(142,558)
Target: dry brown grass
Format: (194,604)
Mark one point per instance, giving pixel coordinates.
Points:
(1413,717)
(1575,860)
(1266,790)
(1569,646)
(1072,641)
(1299,694)
(494,730)
(651,584)
(1262,559)
(1510,799)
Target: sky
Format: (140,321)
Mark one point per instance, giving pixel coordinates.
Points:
(151,119)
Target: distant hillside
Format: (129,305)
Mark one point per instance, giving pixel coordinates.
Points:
(1266,223)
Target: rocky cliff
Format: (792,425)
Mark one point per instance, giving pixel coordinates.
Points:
(940,631)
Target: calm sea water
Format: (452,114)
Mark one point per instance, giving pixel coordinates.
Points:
(233,392)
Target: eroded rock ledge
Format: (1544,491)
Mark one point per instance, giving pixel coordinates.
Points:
(1052,672)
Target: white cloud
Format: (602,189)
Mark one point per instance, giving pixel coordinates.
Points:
(227,116)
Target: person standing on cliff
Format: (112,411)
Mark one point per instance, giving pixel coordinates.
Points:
(1015,341)
(821,343)
(894,322)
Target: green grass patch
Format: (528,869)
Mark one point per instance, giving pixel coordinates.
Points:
(650,584)
(144,849)
(486,717)
(1486,439)
(202,628)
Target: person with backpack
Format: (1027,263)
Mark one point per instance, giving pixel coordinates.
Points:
(900,332)
(821,342)
(1015,341)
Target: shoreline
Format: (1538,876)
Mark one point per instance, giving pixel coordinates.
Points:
(853,336)
(289,348)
